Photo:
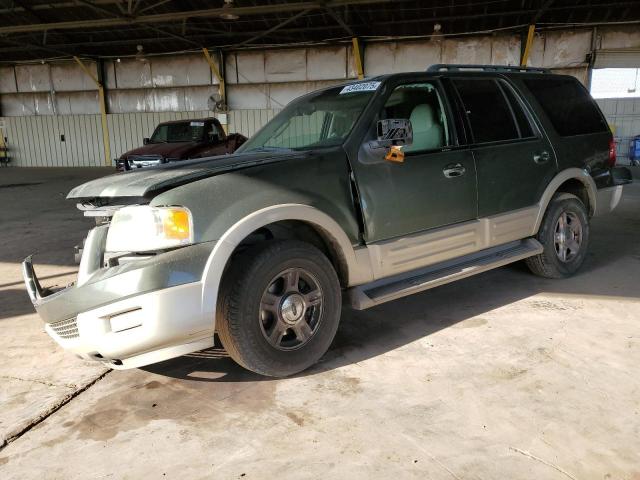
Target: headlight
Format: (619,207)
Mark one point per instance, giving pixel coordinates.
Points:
(144,228)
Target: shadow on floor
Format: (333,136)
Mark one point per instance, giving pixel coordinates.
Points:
(613,258)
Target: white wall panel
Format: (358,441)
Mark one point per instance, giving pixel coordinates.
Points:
(245,67)
(505,50)
(476,50)
(70,77)
(327,63)
(132,73)
(33,78)
(7,80)
(394,57)
(619,37)
(285,65)
(566,49)
(186,70)
(76,103)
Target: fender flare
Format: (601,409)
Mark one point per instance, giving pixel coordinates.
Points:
(355,259)
(568,174)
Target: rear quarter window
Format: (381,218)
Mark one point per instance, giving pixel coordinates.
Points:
(568,105)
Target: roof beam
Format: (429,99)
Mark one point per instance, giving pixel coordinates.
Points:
(128,17)
(274,28)
(172,17)
(336,16)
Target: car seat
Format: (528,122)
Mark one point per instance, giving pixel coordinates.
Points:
(428,134)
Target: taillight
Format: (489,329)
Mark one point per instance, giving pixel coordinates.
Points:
(612,153)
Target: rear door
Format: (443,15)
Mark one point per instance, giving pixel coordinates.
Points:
(514,159)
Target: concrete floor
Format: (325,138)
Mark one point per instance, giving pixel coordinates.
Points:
(504,375)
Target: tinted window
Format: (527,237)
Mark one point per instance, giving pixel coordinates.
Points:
(488,112)
(568,105)
(522,121)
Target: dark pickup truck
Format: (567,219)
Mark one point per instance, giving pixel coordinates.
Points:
(181,140)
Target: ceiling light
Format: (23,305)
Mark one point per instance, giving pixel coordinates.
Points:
(228,13)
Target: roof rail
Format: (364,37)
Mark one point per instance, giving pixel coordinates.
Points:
(445,67)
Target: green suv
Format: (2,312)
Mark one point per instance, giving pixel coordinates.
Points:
(364,192)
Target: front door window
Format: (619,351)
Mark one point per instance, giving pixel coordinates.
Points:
(422,105)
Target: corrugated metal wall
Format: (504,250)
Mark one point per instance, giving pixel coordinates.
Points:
(624,115)
(36,141)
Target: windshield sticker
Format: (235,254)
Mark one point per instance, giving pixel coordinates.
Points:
(360,87)
(197,124)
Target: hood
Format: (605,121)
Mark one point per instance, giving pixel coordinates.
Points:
(166,150)
(146,182)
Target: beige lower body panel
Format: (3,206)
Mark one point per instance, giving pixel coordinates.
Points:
(422,249)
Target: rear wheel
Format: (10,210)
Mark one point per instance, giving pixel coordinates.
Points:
(564,234)
(279,308)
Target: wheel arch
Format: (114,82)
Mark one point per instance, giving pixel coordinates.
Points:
(572,180)
(353,263)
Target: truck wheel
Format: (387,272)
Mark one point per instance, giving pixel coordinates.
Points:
(564,234)
(279,308)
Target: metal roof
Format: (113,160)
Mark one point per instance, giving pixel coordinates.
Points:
(36,29)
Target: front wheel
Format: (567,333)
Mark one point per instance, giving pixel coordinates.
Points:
(564,234)
(279,308)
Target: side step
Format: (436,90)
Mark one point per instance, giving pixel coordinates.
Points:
(387,289)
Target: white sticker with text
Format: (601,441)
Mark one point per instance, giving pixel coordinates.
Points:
(360,87)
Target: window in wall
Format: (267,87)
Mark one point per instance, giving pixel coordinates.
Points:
(487,109)
(615,82)
(421,104)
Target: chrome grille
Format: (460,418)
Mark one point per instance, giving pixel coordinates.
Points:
(65,328)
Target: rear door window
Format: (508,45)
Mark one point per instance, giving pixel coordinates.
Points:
(522,121)
(568,105)
(490,116)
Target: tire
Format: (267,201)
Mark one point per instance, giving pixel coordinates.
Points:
(272,321)
(570,241)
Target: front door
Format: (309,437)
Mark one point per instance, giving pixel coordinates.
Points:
(434,186)
(514,159)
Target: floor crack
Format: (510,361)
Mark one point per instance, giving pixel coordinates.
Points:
(549,464)
(36,421)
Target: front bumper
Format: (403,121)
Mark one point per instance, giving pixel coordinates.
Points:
(130,315)
(140,330)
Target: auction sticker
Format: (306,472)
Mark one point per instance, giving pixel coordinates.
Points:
(360,87)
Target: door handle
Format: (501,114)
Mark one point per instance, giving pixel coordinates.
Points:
(542,157)
(454,170)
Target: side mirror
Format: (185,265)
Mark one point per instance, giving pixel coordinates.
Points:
(394,132)
(145,141)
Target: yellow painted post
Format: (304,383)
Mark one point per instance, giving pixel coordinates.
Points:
(527,46)
(103,112)
(218,75)
(357,57)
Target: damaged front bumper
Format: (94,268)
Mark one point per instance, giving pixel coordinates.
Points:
(133,314)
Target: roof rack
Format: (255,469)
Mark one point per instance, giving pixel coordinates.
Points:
(445,67)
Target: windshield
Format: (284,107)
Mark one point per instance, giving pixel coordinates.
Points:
(321,120)
(178,132)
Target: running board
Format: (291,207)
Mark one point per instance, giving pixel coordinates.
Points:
(387,289)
